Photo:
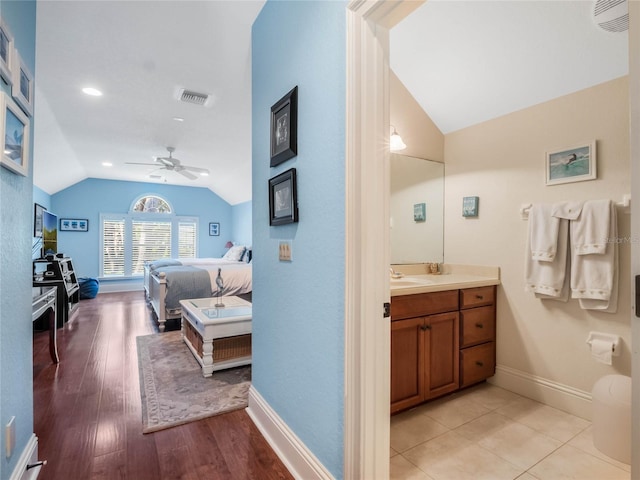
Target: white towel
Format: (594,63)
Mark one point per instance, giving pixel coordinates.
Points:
(594,276)
(590,232)
(568,210)
(543,233)
(549,279)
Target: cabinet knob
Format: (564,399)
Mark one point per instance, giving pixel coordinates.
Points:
(480,297)
(425,327)
(479,325)
(480,364)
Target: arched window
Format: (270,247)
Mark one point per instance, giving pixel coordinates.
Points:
(151,204)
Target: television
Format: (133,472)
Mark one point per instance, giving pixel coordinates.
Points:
(49,233)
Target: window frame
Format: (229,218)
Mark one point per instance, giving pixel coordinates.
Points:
(129,218)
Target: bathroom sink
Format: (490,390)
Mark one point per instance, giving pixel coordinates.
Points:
(408,282)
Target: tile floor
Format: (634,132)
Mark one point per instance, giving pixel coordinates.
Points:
(486,432)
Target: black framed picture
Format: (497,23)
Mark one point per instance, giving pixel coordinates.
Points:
(214,229)
(283,198)
(284,128)
(37,219)
(74,225)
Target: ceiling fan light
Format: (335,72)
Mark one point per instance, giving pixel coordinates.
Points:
(204,174)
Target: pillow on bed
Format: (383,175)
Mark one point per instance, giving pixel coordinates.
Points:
(235,253)
(246,258)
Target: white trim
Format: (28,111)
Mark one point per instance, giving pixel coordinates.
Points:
(367,333)
(29,456)
(557,395)
(116,286)
(634,153)
(298,459)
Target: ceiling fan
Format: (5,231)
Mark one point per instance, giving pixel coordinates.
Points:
(173,164)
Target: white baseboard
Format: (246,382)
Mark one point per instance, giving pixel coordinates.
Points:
(557,395)
(300,462)
(29,456)
(112,287)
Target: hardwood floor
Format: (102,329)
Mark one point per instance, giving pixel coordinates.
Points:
(87,410)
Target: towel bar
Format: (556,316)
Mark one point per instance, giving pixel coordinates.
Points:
(625,204)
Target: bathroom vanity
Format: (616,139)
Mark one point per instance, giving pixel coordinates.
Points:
(443,331)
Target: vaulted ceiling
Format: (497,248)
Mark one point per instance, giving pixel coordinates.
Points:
(463,61)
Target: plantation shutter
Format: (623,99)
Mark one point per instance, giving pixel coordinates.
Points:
(187,240)
(113,247)
(151,240)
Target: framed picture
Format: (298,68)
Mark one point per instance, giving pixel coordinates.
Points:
(470,207)
(284,128)
(419,212)
(283,198)
(74,225)
(7,53)
(14,131)
(214,229)
(37,219)
(571,164)
(22,88)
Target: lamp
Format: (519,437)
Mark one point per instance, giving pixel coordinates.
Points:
(395,141)
(228,244)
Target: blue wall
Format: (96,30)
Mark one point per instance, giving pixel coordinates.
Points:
(16,211)
(91,197)
(242,224)
(299,309)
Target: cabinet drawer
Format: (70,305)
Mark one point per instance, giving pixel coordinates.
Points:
(422,304)
(477,363)
(477,325)
(476,297)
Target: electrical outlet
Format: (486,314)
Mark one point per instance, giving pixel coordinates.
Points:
(10,437)
(284,252)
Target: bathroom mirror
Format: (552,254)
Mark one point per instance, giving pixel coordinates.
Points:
(417,210)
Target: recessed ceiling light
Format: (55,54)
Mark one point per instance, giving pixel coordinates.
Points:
(107,164)
(178,119)
(94,92)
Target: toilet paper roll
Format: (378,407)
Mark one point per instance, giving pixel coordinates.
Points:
(602,350)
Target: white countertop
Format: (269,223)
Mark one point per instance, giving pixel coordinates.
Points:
(415,280)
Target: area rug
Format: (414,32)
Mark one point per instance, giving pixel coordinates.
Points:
(172,387)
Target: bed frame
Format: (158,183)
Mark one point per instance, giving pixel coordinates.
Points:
(155,287)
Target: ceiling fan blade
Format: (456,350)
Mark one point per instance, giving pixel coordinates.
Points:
(138,163)
(167,161)
(187,174)
(197,169)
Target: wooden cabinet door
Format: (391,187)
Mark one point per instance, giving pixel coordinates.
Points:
(442,354)
(407,363)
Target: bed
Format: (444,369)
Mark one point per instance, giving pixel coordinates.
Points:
(167,281)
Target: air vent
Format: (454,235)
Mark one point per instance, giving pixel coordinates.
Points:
(189,96)
(612,15)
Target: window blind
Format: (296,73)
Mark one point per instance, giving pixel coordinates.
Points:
(151,240)
(113,247)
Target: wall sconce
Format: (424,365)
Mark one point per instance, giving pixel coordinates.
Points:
(395,141)
(228,244)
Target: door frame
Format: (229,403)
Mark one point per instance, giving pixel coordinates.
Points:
(367,332)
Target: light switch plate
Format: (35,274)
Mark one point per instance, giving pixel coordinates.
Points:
(284,252)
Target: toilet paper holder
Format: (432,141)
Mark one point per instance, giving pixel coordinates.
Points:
(606,337)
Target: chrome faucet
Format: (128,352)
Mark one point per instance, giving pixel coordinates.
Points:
(395,274)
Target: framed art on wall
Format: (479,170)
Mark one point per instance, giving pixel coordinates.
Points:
(6,53)
(214,229)
(284,128)
(14,131)
(571,164)
(283,198)
(22,88)
(38,211)
(74,225)
(470,207)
